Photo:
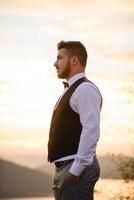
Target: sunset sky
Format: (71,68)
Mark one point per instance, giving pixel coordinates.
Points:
(29,33)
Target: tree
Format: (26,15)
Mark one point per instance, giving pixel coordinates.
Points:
(125,166)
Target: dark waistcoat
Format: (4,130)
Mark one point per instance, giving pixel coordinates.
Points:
(65,129)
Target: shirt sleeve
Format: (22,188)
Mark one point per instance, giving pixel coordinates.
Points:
(86,102)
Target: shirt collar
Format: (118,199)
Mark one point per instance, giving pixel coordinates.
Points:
(75,78)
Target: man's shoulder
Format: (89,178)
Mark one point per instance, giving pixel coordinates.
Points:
(86,85)
(88,88)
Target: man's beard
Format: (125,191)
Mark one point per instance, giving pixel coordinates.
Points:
(65,72)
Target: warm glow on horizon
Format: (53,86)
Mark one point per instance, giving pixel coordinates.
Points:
(29,87)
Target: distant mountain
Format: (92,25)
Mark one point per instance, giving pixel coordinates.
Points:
(107,165)
(18,181)
(46,168)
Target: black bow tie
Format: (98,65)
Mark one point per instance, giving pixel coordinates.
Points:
(66,85)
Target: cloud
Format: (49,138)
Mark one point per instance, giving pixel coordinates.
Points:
(126,56)
(4,87)
(62,7)
(30,30)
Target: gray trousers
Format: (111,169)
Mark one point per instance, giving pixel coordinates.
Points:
(64,189)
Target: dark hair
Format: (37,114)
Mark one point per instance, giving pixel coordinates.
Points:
(75,48)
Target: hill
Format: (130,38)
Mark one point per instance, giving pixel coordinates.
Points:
(18,181)
(108,167)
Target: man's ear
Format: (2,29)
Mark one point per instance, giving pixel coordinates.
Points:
(74,60)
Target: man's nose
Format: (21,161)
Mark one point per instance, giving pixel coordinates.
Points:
(55,63)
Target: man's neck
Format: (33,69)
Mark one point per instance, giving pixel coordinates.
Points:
(75,78)
(75,73)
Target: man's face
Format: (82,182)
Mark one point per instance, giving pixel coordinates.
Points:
(62,64)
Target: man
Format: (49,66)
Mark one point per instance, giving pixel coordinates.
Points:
(74,129)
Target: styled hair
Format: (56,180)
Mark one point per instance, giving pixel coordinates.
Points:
(75,48)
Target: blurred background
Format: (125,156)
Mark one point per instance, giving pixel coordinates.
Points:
(29,87)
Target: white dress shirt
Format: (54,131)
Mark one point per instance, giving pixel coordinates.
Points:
(86,101)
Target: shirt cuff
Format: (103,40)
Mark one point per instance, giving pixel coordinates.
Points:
(76,169)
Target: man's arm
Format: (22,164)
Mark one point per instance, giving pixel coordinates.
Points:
(86,101)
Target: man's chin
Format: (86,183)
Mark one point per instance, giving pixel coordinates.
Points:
(61,76)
